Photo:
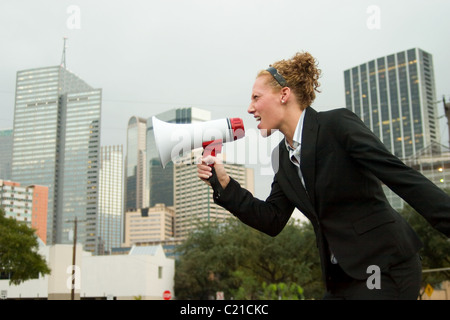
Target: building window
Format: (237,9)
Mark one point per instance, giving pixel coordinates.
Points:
(160,272)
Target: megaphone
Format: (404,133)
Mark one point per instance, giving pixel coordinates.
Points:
(175,140)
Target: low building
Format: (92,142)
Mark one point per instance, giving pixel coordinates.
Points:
(145,273)
(149,224)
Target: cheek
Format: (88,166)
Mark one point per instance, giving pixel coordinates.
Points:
(272,117)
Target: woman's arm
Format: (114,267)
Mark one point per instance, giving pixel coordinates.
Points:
(367,150)
(268,216)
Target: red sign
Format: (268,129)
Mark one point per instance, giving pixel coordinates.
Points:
(167,295)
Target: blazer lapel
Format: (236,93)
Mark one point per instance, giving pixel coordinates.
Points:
(294,188)
(308,151)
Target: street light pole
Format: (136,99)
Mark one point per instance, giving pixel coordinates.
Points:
(72,294)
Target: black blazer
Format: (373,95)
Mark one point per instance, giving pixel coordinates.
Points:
(342,163)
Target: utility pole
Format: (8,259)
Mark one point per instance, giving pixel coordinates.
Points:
(74,254)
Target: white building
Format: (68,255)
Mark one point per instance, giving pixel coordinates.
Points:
(145,273)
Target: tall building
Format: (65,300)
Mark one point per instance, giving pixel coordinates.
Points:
(159,185)
(193,198)
(110,204)
(135,168)
(56,143)
(395,96)
(6,139)
(27,204)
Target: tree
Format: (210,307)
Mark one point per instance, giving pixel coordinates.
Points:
(19,258)
(247,264)
(436,250)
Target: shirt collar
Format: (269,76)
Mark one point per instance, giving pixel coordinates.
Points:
(297,138)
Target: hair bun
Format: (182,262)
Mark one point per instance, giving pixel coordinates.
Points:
(302,75)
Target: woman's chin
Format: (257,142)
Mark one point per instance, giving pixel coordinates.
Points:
(266,132)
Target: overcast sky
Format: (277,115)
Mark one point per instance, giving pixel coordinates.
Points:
(154,55)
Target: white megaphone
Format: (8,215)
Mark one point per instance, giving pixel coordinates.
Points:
(174,140)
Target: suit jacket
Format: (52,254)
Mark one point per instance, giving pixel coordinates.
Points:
(342,163)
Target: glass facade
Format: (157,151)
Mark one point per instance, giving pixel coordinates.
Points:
(79,167)
(6,139)
(395,97)
(135,165)
(110,199)
(56,143)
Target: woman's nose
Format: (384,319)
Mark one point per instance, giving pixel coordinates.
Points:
(251,109)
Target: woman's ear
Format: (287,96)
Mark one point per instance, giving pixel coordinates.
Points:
(285,94)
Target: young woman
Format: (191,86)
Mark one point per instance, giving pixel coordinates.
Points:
(329,166)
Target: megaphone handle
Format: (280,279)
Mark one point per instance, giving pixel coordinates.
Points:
(213,173)
(211,148)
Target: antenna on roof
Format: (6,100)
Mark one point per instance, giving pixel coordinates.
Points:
(63,58)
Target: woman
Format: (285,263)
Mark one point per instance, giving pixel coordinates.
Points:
(329,166)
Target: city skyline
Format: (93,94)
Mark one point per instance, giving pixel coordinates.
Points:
(155,56)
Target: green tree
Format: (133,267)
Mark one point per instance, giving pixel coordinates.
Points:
(281,291)
(436,250)
(239,260)
(18,251)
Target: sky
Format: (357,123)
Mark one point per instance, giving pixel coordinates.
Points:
(149,56)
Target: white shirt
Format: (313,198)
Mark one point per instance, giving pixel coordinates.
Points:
(294,153)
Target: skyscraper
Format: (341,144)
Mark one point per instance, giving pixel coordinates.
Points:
(56,143)
(395,96)
(110,204)
(6,139)
(135,168)
(135,165)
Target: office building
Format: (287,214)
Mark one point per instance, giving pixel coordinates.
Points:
(155,224)
(27,204)
(135,168)
(395,96)
(110,203)
(6,139)
(56,143)
(193,198)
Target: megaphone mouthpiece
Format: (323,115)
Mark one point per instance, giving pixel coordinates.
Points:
(237,125)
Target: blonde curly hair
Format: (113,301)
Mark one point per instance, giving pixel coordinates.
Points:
(301,74)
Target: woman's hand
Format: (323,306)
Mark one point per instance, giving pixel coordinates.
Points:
(204,170)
